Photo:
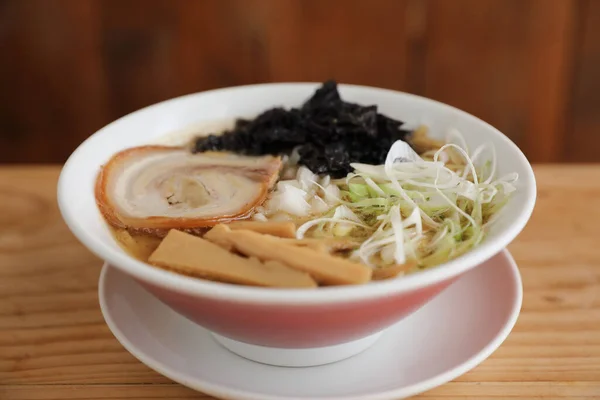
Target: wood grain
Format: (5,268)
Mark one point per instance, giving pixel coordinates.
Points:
(583,144)
(312,40)
(450,391)
(76,65)
(54,343)
(51,77)
(71,66)
(507,62)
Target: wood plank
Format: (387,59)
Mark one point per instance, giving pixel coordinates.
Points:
(100,392)
(51,77)
(507,62)
(51,329)
(450,391)
(316,40)
(75,67)
(582,141)
(138,42)
(219,45)
(157,49)
(54,343)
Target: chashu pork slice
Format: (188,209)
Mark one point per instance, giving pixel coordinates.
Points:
(152,189)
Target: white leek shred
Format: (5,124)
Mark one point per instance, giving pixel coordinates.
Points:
(303,196)
(398,230)
(408,209)
(344,212)
(259,217)
(290,199)
(301,231)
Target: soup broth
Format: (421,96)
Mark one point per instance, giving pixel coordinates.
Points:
(139,246)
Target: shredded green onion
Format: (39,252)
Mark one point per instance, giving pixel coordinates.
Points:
(411,209)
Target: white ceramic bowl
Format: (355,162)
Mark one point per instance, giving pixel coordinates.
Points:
(285,326)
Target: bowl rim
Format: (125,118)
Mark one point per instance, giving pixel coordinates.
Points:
(334,294)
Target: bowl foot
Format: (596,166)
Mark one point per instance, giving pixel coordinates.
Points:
(297,357)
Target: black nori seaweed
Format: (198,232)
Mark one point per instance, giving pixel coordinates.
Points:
(328,132)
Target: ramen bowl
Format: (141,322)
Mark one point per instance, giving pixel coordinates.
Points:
(288,327)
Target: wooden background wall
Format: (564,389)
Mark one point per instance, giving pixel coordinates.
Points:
(530,67)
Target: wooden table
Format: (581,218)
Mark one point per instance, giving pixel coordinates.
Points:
(54,343)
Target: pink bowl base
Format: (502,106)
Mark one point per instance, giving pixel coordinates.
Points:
(290,326)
